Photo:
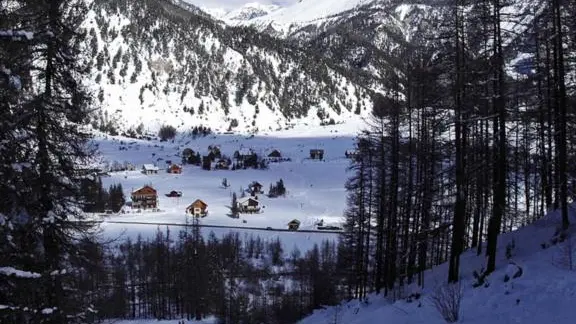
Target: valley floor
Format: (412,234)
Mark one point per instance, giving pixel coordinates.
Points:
(315,189)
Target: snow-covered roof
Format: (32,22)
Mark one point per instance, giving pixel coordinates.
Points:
(245,201)
(245,151)
(144,187)
(150,167)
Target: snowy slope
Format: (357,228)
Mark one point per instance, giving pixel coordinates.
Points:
(300,14)
(250,11)
(155,63)
(544,293)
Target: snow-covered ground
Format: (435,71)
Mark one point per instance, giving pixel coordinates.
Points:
(315,189)
(544,293)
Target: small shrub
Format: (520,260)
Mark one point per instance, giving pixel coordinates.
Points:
(480,278)
(447,300)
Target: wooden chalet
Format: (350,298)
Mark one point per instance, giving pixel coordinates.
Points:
(317,154)
(149,169)
(293,225)
(249,206)
(197,209)
(175,168)
(244,154)
(255,188)
(144,198)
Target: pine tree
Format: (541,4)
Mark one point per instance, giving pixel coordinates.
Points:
(46,188)
(117,199)
(234,206)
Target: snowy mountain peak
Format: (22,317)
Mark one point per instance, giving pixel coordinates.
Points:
(250,11)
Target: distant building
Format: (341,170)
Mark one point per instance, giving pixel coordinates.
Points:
(197,209)
(222,164)
(275,154)
(249,206)
(149,169)
(175,168)
(352,154)
(317,154)
(294,225)
(255,188)
(244,154)
(174,193)
(144,198)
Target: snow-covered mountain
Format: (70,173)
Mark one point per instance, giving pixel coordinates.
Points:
(250,11)
(316,62)
(284,19)
(157,63)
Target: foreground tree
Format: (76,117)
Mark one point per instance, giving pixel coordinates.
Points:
(40,215)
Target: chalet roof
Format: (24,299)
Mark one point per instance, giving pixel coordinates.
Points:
(198,201)
(317,150)
(245,201)
(275,153)
(175,166)
(294,221)
(150,167)
(144,188)
(256,184)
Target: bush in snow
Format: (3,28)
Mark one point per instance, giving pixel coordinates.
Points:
(166,132)
(480,278)
(447,300)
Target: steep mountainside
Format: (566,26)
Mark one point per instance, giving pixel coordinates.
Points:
(371,36)
(154,62)
(167,62)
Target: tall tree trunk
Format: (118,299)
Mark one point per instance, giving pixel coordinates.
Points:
(500,160)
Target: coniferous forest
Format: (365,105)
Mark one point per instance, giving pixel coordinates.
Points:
(460,148)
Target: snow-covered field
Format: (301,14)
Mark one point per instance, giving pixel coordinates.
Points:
(315,189)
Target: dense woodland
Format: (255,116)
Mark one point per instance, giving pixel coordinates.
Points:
(436,174)
(239,280)
(464,148)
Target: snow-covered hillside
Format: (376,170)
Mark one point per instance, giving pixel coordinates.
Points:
(544,290)
(156,63)
(300,13)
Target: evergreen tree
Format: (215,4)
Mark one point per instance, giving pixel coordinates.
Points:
(234,211)
(45,200)
(117,199)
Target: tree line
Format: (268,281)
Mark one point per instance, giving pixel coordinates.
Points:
(185,276)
